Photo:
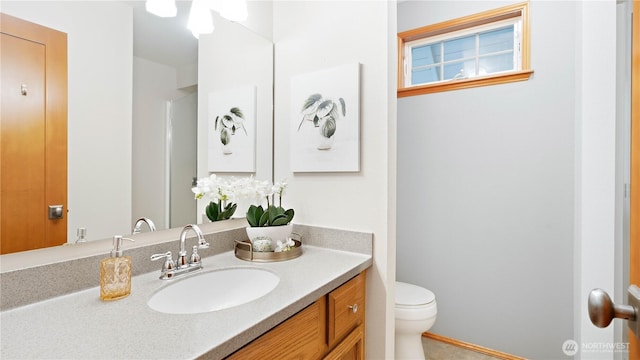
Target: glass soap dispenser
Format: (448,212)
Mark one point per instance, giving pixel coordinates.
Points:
(115,273)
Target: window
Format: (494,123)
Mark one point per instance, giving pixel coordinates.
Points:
(482,49)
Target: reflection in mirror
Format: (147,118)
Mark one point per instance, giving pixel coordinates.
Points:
(242,60)
(118,102)
(165,79)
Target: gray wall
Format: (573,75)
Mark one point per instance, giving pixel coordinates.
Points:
(486,192)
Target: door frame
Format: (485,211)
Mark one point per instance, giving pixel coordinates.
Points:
(634,206)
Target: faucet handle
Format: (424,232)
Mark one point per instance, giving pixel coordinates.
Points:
(195,257)
(155,257)
(168,264)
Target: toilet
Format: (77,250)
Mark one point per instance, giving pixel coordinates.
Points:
(415,313)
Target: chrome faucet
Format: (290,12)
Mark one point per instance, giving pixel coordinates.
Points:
(137,228)
(170,268)
(181,262)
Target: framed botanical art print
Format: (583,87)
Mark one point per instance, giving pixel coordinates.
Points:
(325,120)
(232,130)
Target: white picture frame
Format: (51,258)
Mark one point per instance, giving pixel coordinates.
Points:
(326,102)
(239,152)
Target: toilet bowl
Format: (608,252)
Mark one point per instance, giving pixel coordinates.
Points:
(415,313)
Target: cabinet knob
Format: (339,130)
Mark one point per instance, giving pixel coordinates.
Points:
(354,308)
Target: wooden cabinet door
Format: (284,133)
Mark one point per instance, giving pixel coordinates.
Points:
(351,348)
(33,135)
(335,322)
(300,337)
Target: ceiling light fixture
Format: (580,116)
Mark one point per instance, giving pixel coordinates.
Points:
(200,20)
(162,8)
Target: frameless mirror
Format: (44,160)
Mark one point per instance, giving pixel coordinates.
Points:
(123,104)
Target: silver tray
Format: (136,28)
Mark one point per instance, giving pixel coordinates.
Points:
(244,251)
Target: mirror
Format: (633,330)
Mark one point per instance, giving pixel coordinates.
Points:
(118,157)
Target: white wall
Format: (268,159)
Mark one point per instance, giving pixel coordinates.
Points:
(187,76)
(505,193)
(153,85)
(260,18)
(100,49)
(316,35)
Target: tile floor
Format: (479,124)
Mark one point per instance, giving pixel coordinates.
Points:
(437,350)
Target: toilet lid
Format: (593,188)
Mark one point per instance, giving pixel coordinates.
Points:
(411,295)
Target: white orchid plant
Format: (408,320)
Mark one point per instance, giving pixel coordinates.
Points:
(224,192)
(272,215)
(220,192)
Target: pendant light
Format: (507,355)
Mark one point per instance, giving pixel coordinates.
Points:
(162,8)
(200,20)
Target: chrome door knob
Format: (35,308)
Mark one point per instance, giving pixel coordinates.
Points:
(602,309)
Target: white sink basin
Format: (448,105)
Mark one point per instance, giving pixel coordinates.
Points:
(213,290)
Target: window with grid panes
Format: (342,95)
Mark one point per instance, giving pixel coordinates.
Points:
(482,49)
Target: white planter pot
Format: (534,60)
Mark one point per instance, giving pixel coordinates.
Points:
(257,235)
(324,143)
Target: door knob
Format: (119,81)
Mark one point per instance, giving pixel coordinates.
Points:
(55,212)
(602,309)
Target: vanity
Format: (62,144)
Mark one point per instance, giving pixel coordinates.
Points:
(330,328)
(319,301)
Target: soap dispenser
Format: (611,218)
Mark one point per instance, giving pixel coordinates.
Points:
(115,273)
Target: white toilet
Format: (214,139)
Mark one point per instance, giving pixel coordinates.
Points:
(415,313)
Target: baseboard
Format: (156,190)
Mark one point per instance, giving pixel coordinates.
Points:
(472,347)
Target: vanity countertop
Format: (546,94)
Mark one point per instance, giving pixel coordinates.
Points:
(79,325)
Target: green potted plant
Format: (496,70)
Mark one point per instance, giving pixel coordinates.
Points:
(272,223)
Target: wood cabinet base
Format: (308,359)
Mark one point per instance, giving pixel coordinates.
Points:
(330,328)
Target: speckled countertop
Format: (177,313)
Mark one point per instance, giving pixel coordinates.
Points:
(79,325)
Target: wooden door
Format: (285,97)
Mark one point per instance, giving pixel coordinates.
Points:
(634,238)
(33,135)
